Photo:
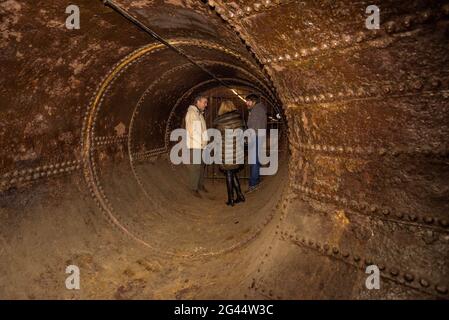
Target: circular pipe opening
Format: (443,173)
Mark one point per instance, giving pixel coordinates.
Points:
(140,191)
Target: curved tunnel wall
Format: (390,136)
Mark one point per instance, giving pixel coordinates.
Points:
(367,114)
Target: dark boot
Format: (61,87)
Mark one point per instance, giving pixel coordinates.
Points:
(238,190)
(195,193)
(230,188)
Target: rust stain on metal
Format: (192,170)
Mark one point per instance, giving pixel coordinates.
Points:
(85,118)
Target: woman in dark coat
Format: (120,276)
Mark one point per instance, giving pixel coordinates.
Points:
(232,154)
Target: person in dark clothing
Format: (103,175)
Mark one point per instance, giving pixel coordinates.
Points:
(257,119)
(232,153)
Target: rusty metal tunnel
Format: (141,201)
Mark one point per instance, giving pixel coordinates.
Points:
(86,180)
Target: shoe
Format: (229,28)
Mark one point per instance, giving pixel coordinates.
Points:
(252,188)
(196,194)
(239,199)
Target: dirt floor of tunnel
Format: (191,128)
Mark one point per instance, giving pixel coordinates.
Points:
(157,207)
(60,225)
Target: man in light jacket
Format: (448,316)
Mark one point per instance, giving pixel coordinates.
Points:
(257,119)
(197,140)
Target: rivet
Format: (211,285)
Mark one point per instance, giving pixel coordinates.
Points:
(441,288)
(361,92)
(417,85)
(426,15)
(409,277)
(334,43)
(335,250)
(407,21)
(436,83)
(257,6)
(424,283)
(390,27)
(428,220)
(394,272)
(356,258)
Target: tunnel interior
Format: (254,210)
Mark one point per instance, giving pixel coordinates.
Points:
(86,177)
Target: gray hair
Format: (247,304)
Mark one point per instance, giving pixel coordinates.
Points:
(198,98)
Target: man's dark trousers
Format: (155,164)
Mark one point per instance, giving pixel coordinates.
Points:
(196,170)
